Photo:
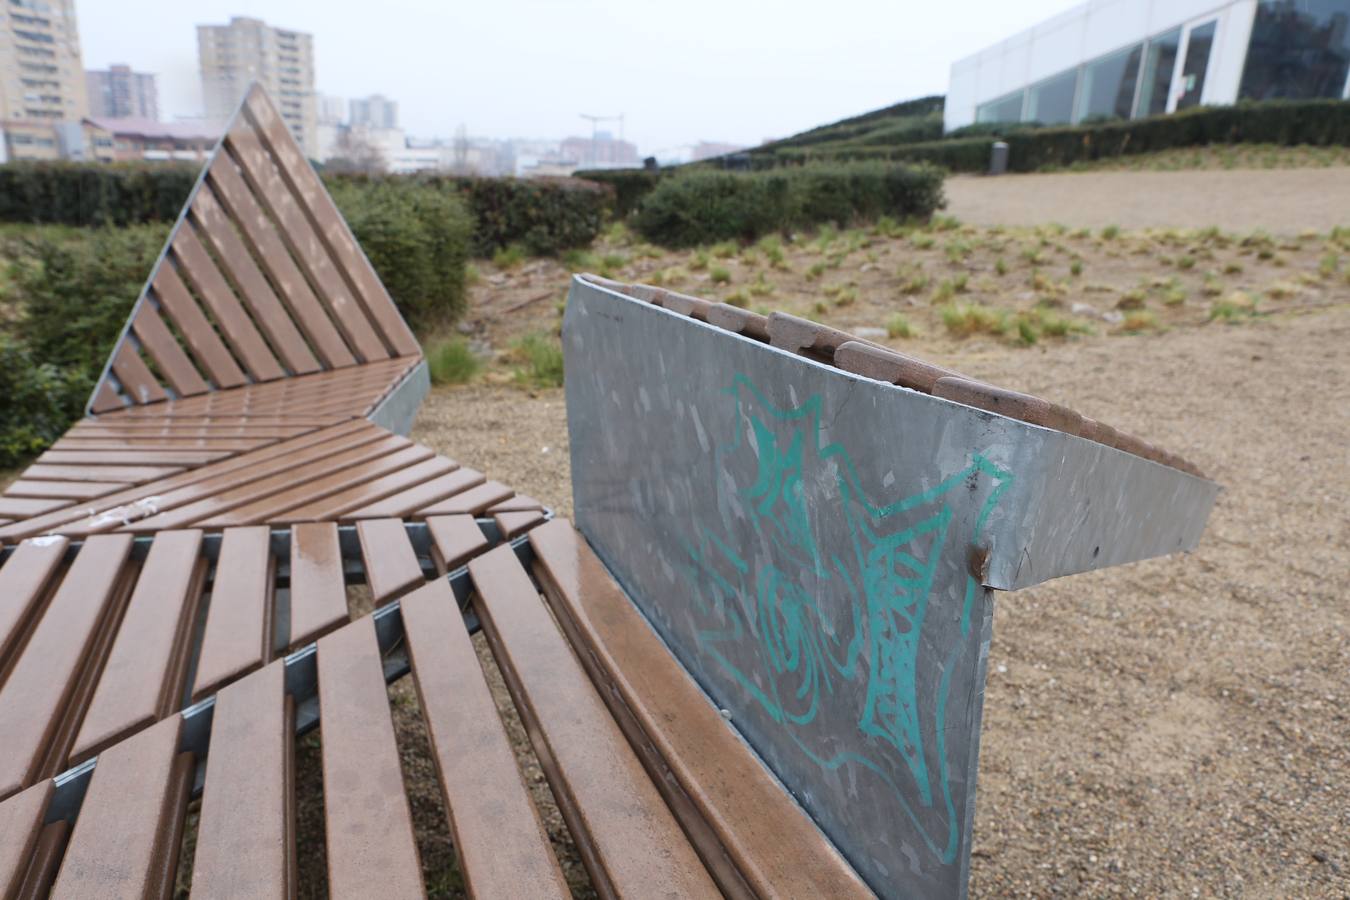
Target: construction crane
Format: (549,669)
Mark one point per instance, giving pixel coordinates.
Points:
(595,132)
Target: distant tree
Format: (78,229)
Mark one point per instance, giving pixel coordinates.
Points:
(356,155)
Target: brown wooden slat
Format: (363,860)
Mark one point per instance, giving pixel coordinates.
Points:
(131,457)
(405,502)
(302,179)
(238,636)
(230,444)
(261,173)
(267,310)
(23,507)
(20,825)
(246,834)
(159,342)
(630,842)
(371,849)
(266,480)
(277,506)
(456,540)
(106,398)
(502,847)
(390,561)
(206,346)
(137,381)
(473,501)
(44,678)
(730,802)
(197,267)
(125,840)
(513,523)
(26,575)
(363,494)
(143,676)
(69,490)
(230,469)
(129,474)
(518,503)
(318,590)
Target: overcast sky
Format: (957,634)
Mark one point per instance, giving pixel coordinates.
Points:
(681,70)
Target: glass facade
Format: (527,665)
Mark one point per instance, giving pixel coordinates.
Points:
(1197,64)
(1299,49)
(1004,109)
(1162,59)
(1108,85)
(1051,101)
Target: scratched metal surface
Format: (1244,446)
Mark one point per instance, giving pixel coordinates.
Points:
(803,538)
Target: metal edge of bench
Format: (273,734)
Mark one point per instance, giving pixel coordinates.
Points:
(71,785)
(397,409)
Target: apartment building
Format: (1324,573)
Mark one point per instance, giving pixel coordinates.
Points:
(119,93)
(233,56)
(376,111)
(42,90)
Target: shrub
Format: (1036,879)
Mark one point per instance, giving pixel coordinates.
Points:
(629,185)
(75,291)
(418,241)
(38,401)
(962,320)
(703,206)
(67,193)
(508,257)
(897,326)
(451,362)
(540,359)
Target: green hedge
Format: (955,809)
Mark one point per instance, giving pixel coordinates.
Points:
(38,401)
(418,240)
(700,206)
(93,194)
(629,185)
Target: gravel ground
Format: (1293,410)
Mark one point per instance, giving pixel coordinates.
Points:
(1282,201)
(1176,727)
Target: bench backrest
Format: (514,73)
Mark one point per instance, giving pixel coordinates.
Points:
(260,280)
(818,549)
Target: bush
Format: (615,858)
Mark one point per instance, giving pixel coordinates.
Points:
(417,238)
(705,206)
(38,401)
(629,185)
(541,361)
(75,291)
(66,193)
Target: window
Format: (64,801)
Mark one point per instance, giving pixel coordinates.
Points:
(1051,101)
(1108,85)
(1299,49)
(1004,109)
(1158,65)
(1197,62)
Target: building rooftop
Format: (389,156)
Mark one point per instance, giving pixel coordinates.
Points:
(148,128)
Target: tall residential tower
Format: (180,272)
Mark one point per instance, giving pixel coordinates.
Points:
(234,56)
(119,93)
(42,96)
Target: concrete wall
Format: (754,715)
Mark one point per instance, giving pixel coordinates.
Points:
(1093,30)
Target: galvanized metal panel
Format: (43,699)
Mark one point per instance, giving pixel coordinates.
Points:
(815,547)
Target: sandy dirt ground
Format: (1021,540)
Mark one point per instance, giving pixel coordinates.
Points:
(1177,727)
(1282,201)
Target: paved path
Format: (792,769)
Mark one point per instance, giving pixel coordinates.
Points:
(1281,201)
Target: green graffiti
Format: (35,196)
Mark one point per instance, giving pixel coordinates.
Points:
(886,578)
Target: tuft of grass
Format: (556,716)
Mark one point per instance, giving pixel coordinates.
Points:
(1138,321)
(943,223)
(1000,266)
(922,241)
(1174,296)
(1233,308)
(724,250)
(471,275)
(1213,285)
(451,362)
(580,260)
(821,307)
(719,275)
(1186,262)
(1281,290)
(815,271)
(846,296)
(1232,268)
(612,261)
(1076,268)
(1330,265)
(699,261)
(915,284)
(772,248)
(897,326)
(737,298)
(508,257)
(1110,232)
(539,359)
(760,287)
(963,320)
(1133,299)
(618,233)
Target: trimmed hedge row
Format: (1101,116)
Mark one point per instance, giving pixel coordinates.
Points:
(700,206)
(544,215)
(1030,149)
(629,185)
(67,193)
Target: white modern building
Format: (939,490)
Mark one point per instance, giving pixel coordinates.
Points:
(1135,58)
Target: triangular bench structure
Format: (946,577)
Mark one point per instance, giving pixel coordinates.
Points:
(735,682)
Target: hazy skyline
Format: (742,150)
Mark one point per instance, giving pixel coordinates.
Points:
(680,72)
